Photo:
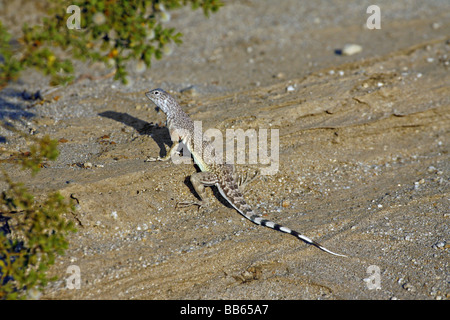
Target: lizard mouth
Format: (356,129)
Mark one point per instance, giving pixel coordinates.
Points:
(149,96)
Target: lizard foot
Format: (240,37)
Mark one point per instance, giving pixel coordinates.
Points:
(200,204)
(152,159)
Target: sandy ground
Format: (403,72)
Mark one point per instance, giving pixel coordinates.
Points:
(363,161)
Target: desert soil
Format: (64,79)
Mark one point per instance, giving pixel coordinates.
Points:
(363,157)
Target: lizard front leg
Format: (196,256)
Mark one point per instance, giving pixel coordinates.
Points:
(175,136)
(169,154)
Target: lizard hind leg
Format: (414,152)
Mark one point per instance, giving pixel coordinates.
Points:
(199,181)
(244,180)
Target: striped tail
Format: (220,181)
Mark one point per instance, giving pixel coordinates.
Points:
(231,193)
(269,224)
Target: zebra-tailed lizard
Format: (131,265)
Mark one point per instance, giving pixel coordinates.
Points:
(181,129)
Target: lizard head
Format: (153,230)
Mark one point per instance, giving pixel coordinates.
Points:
(161,99)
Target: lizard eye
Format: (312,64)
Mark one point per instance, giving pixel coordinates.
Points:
(156,92)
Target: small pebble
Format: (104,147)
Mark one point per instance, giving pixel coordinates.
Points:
(285,203)
(351,49)
(436,25)
(439,245)
(87,165)
(418,183)
(409,287)
(290,88)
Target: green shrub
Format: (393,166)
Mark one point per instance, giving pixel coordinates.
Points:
(32,233)
(112,32)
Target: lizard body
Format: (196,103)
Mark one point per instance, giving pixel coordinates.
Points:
(181,129)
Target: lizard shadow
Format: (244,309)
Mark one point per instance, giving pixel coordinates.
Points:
(159,134)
